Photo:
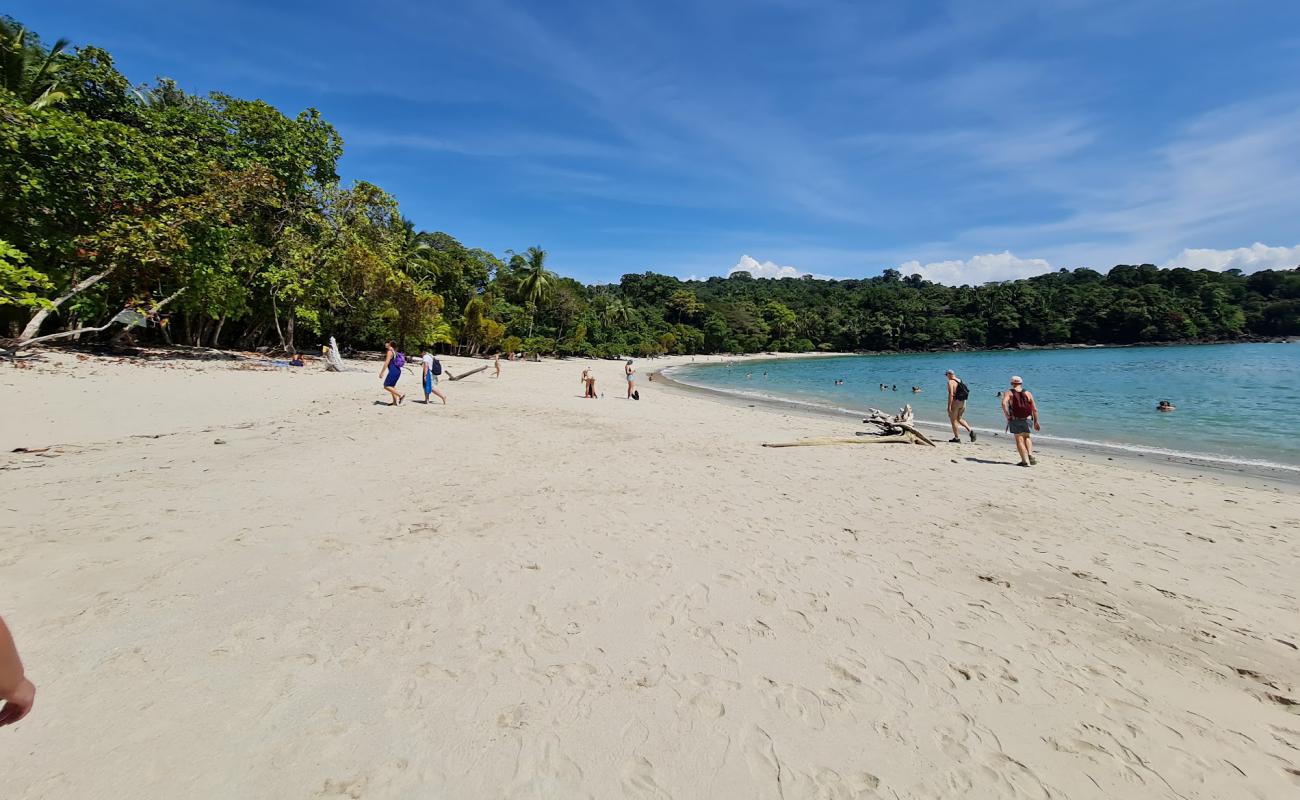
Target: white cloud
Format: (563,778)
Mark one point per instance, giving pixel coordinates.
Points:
(769,269)
(977,270)
(1247,259)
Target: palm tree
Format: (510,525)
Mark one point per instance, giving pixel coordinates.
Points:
(616,312)
(534,282)
(27,70)
(414,255)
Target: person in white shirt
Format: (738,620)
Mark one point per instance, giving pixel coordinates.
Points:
(431,376)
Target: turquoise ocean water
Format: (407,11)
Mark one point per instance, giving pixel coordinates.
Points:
(1237,403)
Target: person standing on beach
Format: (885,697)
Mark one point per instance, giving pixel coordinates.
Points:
(589,383)
(496,365)
(16,691)
(392,370)
(1019,408)
(631,378)
(958,392)
(432,368)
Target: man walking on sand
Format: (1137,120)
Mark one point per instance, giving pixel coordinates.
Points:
(16,691)
(1019,408)
(958,392)
(432,369)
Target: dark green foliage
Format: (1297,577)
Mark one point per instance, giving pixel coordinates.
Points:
(235,210)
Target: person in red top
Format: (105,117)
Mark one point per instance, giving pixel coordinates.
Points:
(1019,408)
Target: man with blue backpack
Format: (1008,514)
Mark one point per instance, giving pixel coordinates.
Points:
(958,394)
(432,371)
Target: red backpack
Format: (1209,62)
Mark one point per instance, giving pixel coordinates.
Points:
(1022,407)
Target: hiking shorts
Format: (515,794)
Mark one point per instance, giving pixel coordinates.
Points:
(958,410)
(1021,426)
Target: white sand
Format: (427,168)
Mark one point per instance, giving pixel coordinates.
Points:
(526,594)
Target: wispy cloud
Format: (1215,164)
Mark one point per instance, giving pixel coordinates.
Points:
(510,145)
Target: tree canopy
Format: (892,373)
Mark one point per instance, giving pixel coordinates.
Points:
(231,214)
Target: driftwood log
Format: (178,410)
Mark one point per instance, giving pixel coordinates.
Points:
(896,429)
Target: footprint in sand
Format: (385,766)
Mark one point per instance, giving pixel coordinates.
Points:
(639,781)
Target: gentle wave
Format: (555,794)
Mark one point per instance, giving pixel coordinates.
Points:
(1127,448)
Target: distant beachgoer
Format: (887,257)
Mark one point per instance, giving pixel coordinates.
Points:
(16,690)
(1165,405)
(958,393)
(589,383)
(916,390)
(895,387)
(392,370)
(1020,409)
(749,376)
(631,378)
(496,365)
(431,369)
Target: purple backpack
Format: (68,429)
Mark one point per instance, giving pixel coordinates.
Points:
(399,360)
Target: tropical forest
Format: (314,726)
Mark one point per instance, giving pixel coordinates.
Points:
(143,213)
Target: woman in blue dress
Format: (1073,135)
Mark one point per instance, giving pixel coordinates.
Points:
(392,370)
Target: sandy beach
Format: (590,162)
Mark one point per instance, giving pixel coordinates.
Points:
(232,580)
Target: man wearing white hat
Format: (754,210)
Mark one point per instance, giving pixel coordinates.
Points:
(1020,409)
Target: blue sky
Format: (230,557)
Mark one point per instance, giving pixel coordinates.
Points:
(968,141)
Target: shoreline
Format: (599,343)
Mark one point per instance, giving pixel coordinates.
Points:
(1183,465)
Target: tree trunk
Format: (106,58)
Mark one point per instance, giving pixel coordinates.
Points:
(288,326)
(216,335)
(34,324)
(275,315)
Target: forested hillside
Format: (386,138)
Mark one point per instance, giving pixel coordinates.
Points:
(224,222)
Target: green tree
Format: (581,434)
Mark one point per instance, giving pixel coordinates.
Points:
(27,69)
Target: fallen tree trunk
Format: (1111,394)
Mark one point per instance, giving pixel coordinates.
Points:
(825,440)
(34,324)
(127,316)
(465,374)
(153,310)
